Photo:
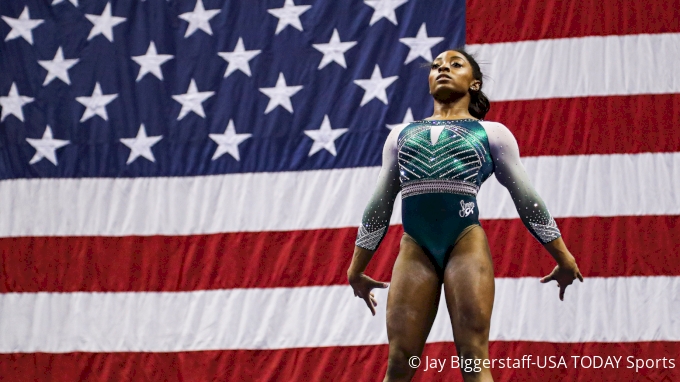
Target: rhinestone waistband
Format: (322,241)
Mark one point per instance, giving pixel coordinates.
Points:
(438,186)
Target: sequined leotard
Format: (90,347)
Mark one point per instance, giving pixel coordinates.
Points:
(439,166)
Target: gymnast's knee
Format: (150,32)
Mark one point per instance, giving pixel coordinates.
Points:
(398,366)
(471,359)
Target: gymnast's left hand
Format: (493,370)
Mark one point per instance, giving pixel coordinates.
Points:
(362,286)
(564,274)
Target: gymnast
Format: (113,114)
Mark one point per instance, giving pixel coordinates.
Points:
(439,164)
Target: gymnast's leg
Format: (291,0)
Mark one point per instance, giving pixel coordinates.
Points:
(469,291)
(411,308)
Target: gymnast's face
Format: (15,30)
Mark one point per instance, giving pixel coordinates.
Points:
(451,77)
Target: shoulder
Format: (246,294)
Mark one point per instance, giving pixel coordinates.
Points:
(395,133)
(500,138)
(392,140)
(495,127)
(398,130)
(497,133)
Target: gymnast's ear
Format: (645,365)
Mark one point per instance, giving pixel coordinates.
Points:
(476,85)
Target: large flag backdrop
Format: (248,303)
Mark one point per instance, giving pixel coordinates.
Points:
(182,181)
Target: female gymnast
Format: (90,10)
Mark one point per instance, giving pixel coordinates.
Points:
(439,164)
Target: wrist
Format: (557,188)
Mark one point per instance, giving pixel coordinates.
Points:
(558,250)
(353,275)
(360,260)
(564,259)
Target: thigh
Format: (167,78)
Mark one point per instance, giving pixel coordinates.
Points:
(412,300)
(469,291)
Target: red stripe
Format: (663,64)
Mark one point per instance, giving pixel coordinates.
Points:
(359,363)
(617,246)
(511,20)
(603,247)
(592,125)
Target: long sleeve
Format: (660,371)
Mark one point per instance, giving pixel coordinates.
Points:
(511,174)
(376,218)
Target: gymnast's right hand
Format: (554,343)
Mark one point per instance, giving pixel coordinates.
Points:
(362,286)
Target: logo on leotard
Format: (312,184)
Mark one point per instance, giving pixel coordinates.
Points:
(466,208)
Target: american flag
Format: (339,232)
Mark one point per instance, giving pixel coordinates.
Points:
(181,183)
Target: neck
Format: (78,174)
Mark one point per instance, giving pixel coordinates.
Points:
(457,109)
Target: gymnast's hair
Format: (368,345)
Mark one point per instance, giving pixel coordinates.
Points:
(479,103)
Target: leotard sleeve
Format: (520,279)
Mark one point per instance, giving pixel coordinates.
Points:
(511,174)
(376,218)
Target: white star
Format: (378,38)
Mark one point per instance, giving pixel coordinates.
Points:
(384,8)
(289,15)
(408,118)
(375,86)
(22,26)
(334,50)
(58,67)
(199,18)
(151,62)
(238,59)
(141,145)
(228,142)
(13,102)
(421,45)
(46,147)
(325,137)
(74,2)
(104,23)
(280,94)
(96,103)
(191,100)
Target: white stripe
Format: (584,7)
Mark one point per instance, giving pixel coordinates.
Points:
(584,185)
(578,67)
(277,318)
(594,185)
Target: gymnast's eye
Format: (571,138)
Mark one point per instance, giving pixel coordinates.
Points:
(457,65)
(434,66)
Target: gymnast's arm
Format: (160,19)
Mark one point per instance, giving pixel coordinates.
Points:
(532,210)
(375,222)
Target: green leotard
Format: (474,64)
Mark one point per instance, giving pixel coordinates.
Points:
(439,166)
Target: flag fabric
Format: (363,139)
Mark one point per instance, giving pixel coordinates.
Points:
(181,183)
